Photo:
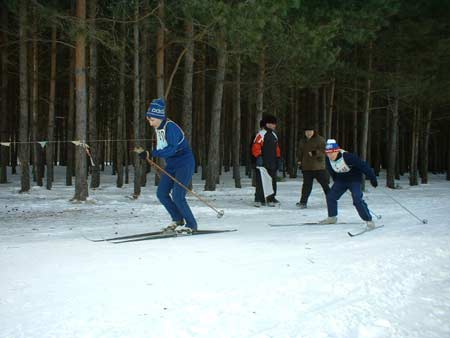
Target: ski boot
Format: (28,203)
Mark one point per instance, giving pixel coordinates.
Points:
(329,220)
(370,225)
(301,205)
(172,226)
(184,230)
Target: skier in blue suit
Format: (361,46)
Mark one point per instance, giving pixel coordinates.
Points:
(346,169)
(174,148)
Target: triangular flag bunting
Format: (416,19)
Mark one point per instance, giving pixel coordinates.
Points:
(6,144)
(43,143)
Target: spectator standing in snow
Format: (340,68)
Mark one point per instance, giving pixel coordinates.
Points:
(174,148)
(347,169)
(311,157)
(266,151)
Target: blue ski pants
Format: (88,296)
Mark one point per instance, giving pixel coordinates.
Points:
(338,189)
(176,205)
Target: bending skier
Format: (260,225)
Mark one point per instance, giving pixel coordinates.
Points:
(174,148)
(346,170)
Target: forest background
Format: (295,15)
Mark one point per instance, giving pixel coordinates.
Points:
(77,77)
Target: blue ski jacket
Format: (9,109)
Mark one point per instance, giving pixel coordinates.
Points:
(172,145)
(348,167)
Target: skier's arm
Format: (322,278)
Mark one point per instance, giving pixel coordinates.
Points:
(330,169)
(354,161)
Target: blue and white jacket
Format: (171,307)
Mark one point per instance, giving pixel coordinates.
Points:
(172,145)
(348,167)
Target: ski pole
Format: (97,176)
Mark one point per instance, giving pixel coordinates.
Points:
(423,221)
(220,213)
(370,211)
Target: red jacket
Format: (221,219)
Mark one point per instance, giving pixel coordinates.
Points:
(266,145)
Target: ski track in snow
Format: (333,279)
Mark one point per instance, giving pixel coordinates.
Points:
(259,282)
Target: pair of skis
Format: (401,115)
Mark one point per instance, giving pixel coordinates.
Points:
(351,234)
(156,235)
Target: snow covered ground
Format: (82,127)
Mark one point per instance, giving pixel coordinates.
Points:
(261,281)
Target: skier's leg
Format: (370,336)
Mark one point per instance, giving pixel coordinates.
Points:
(335,193)
(358,201)
(184,175)
(306,186)
(163,194)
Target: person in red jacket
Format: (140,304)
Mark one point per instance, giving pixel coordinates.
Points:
(266,151)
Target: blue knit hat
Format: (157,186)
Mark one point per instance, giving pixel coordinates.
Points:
(331,146)
(157,109)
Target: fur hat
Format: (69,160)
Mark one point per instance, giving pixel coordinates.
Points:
(270,119)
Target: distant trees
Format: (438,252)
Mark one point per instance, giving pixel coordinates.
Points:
(372,74)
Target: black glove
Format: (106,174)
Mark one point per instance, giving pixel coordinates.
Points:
(259,161)
(143,155)
(374,182)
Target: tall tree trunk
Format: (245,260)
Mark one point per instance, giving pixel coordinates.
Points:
(24,149)
(188,77)
(136,105)
(316,116)
(160,79)
(260,88)
(448,152)
(393,146)
(293,113)
(93,133)
(51,112)
(70,126)
(145,71)
(331,108)
(4,151)
(425,147)
(355,117)
(366,113)
(121,132)
(214,138)
(237,125)
(37,149)
(413,177)
(323,120)
(201,111)
(250,135)
(81,186)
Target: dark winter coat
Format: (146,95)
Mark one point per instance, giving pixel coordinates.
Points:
(316,146)
(265,145)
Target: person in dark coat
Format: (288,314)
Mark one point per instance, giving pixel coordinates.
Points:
(347,169)
(311,157)
(266,151)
